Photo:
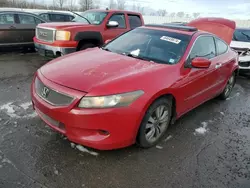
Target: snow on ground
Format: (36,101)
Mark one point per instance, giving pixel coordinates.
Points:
(222,113)
(9,108)
(168,138)
(83,149)
(202,130)
(26,105)
(13,111)
(159,147)
(236,95)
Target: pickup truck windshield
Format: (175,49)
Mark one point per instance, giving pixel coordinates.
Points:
(150,45)
(95,18)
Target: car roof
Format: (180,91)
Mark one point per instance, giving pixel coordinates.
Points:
(51,12)
(113,10)
(172,28)
(17,12)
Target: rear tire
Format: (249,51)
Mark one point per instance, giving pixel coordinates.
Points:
(229,87)
(84,46)
(155,123)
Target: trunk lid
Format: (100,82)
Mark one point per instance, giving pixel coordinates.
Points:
(221,27)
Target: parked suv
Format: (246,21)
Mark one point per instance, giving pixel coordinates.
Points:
(56,16)
(88,29)
(18,28)
(241,43)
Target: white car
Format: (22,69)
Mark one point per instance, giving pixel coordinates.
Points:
(241,43)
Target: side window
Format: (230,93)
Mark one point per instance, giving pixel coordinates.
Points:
(68,18)
(203,47)
(7,19)
(120,18)
(57,17)
(26,19)
(134,21)
(221,46)
(45,17)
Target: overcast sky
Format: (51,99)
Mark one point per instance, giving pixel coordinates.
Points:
(226,8)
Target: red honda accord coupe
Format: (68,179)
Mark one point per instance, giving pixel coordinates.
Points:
(130,90)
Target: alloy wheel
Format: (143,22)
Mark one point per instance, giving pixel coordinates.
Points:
(157,123)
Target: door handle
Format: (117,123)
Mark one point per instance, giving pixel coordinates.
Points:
(218,65)
(12,27)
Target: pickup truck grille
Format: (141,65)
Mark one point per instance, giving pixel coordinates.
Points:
(45,34)
(51,96)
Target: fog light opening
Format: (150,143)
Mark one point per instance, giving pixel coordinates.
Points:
(103,132)
(61,126)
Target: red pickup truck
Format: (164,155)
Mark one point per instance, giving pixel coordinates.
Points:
(89,29)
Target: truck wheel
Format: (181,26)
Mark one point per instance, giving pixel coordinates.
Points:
(86,45)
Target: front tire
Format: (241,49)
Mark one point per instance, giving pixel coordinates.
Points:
(155,123)
(229,87)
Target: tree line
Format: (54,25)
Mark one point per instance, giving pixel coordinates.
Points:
(82,5)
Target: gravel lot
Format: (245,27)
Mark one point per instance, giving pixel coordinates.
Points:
(208,147)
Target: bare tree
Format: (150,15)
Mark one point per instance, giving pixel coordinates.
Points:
(61,3)
(196,14)
(180,14)
(187,16)
(172,14)
(4,3)
(71,4)
(86,4)
(121,4)
(112,4)
(162,12)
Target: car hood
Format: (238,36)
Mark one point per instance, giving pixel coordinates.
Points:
(63,25)
(85,70)
(221,27)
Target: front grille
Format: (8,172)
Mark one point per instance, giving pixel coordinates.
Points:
(51,96)
(45,34)
(244,64)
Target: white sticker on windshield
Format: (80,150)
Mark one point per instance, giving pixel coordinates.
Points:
(171,61)
(170,39)
(135,52)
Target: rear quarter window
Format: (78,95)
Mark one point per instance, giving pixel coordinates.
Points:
(221,47)
(134,21)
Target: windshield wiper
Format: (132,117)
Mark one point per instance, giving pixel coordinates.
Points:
(248,37)
(106,49)
(137,57)
(80,16)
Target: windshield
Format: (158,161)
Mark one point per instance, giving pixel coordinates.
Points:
(95,18)
(242,35)
(152,45)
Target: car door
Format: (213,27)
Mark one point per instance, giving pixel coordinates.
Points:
(112,32)
(8,30)
(200,84)
(27,25)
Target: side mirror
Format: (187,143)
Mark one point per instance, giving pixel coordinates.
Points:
(201,63)
(111,24)
(107,41)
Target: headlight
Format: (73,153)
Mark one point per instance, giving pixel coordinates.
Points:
(117,100)
(62,35)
